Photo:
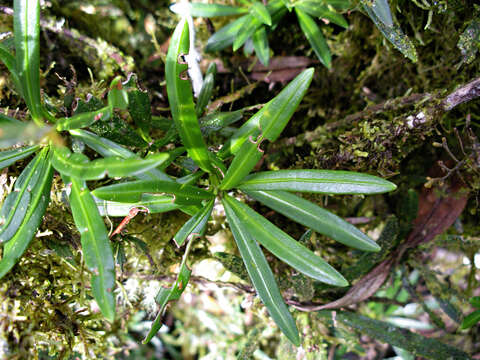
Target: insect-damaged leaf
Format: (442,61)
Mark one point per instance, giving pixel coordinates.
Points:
(260,272)
(168,294)
(95,245)
(39,198)
(273,117)
(180,98)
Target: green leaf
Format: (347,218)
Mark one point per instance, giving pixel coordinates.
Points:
(260,43)
(15,207)
(10,156)
(475,301)
(381,16)
(316,218)
(260,12)
(316,9)
(205,94)
(414,343)
(216,121)
(180,97)
(133,191)
(78,165)
(260,272)
(117,96)
(315,37)
(96,248)
(283,246)
(108,148)
(11,63)
(166,295)
(14,132)
(318,181)
(470,320)
(195,225)
(226,35)
(205,10)
(140,109)
(248,28)
(26,27)
(84,119)
(246,159)
(39,198)
(273,117)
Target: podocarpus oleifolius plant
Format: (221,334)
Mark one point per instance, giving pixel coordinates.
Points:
(226,173)
(257,20)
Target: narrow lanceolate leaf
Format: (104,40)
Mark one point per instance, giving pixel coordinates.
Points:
(249,27)
(315,37)
(10,156)
(260,12)
(26,26)
(217,121)
(84,119)
(316,218)
(226,35)
(470,320)
(133,191)
(108,148)
(16,203)
(318,181)
(205,10)
(246,159)
(205,94)
(95,245)
(80,167)
(380,14)
(260,44)
(319,10)
(285,247)
(165,295)
(180,97)
(39,198)
(273,117)
(260,273)
(11,63)
(195,225)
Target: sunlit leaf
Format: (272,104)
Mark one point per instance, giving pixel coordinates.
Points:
(249,27)
(319,10)
(260,272)
(316,218)
(283,246)
(226,35)
(205,94)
